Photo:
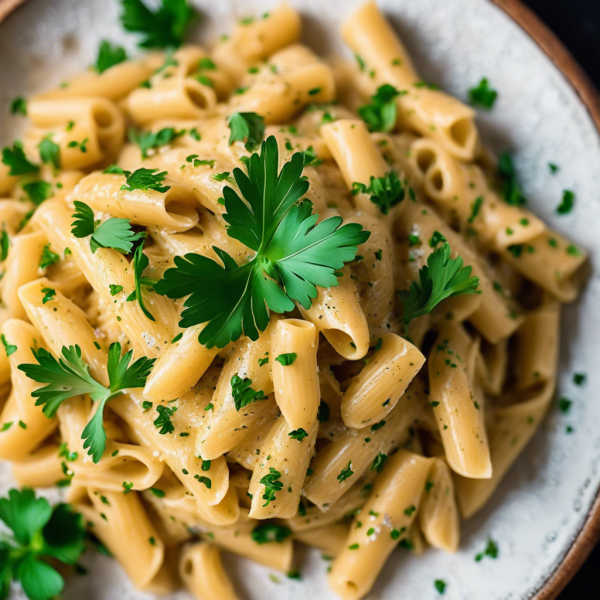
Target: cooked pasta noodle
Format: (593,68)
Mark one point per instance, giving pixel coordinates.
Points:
(271,309)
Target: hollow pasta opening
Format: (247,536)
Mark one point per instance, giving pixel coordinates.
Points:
(461,132)
(437,180)
(425,158)
(198,96)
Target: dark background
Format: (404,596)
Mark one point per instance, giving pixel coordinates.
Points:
(577,24)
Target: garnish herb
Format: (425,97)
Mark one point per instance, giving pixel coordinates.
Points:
(69,376)
(491,550)
(381,113)
(109,56)
(295,252)
(243,394)
(270,532)
(38,191)
(49,294)
(164,28)
(247,127)
(17,161)
(379,462)
(272,485)
(140,263)
(48,257)
(440,586)
(145,180)
(49,152)
(18,106)
(298,434)
(483,95)
(113,233)
(42,538)
(163,421)
(568,200)
(10,348)
(443,277)
(386,191)
(4,245)
(346,473)
(511,190)
(286,360)
(152,140)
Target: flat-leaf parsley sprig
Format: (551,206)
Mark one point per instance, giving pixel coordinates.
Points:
(113,233)
(442,277)
(69,376)
(40,532)
(294,254)
(164,28)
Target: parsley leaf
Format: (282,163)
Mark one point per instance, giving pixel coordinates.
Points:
(18,106)
(146,179)
(298,434)
(10,348)
(270,532)
(247,127)
(442,278)
(483,95)
(4,245)
(69,376)
(294,254)
(285,360)
(151,140)
(386,191)
(17,161)
(568,200)
(161,29)
(272,485)
(48,257)
(49,152)
(38,191)
(346,473)
(109,56)
(40,532)
(113,233)
(141,262)
(243,394)
(511,190)
(163,421)
(381,114)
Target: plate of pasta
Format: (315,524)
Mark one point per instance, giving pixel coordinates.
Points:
(294,301)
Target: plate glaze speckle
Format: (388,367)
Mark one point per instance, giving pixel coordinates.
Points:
(540,506)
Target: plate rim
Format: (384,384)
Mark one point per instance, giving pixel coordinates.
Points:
(589,533)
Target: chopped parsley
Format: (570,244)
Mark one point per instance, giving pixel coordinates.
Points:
(38,191)
(109,56)
(385,192)
(49,294)
(152,140)
(243,394)
(568,200)
(270,532)
(145,180)
(163,421)
(298,434)
(272,485)
(43,539)
(511,190)
(346,473)
(18,106)
(286,360)
(17,161)
(483,95)
(49,152)
(381,113)
(69,376)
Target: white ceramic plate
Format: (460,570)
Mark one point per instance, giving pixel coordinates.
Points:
(540,507)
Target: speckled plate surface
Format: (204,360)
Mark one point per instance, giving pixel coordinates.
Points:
(541,505)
